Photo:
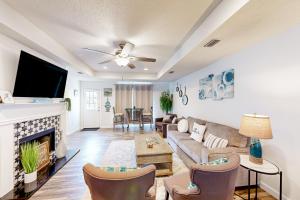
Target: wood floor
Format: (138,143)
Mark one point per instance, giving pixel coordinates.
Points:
(68,183)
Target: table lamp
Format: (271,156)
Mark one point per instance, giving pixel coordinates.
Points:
(257,127)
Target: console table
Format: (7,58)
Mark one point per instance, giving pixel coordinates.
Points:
(266,168)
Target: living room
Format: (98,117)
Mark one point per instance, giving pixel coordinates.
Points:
(152,99)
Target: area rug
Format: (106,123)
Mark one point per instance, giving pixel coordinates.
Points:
(122,153)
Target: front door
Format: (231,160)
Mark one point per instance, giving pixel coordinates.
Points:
(91,113)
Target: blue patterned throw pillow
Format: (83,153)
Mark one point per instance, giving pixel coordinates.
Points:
(117,169)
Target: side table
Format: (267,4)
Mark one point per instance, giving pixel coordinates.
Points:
(266,168)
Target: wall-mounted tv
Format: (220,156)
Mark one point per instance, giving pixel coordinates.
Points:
(39,78)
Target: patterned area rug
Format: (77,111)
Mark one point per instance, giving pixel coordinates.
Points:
(122,153)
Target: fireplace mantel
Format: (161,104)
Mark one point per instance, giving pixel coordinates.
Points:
(10,114)
(13,113)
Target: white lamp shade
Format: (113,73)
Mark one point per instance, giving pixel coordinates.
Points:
(256,126)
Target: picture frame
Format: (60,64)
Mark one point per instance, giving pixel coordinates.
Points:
(6,97)
(107,92)
(44,158)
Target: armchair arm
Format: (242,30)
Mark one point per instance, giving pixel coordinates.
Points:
(172,127)
(178,192)
(160,119)
(216,153)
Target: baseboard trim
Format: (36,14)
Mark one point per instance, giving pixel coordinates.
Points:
(70,133)
(272,191)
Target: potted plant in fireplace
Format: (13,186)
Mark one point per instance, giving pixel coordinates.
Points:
(29,160)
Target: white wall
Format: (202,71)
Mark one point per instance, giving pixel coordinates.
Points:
(9,58)
(73,116)
(266,82)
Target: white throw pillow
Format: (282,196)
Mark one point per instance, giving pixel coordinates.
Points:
(174,120)
(166,118)
(212,141)
(183,126)
(198,132)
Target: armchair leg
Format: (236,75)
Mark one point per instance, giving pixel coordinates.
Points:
(167,195)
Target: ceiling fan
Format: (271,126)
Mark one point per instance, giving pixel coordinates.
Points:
(122,57)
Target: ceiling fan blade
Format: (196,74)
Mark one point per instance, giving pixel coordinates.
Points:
(98,51)
(127,49)
(131,66)
(143,59)
(106,61)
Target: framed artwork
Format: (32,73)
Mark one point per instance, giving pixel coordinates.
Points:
(217,86)
(107,92)
(6,97)
(44,158)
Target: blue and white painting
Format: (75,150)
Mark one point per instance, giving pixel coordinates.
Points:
(206,89)
(217,87)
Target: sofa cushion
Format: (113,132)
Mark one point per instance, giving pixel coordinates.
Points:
(231,134)
(177,136)
(191,122)
(193,149)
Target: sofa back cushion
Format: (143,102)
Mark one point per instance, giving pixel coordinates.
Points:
(192,120)
(231,134)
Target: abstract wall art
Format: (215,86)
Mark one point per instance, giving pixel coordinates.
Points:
(107,92)
(217,86)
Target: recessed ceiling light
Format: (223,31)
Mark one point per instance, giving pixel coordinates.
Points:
(104,67)
(146,69)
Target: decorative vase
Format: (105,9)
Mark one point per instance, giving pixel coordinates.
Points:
(28,178)
(61,149)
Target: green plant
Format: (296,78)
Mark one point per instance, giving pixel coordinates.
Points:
(166,101)
(68,104)
(29,157)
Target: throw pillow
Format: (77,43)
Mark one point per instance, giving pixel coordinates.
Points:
(192,186)
(215,142)
(174,120)
(198,132)
(117,169)
(217,161)
(183,126)
(166,118)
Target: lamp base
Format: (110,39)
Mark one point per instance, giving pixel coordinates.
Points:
(255,160)
(255,151)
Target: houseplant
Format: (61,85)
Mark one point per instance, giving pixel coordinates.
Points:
(68,104)
(29,160)
(166,101)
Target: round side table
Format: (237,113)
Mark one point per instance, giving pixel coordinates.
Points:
(266,168)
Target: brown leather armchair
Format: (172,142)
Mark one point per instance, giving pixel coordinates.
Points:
(214,182)
(161,125)
(132,185)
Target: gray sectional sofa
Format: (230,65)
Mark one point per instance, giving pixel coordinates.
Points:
(191,151)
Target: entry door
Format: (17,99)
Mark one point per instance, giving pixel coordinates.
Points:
(91,117)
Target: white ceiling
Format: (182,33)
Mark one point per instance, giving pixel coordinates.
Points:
(158,28)
(254,22)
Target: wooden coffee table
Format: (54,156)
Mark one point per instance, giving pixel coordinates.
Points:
(160,155)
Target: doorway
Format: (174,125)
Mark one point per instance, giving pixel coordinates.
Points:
(91,108)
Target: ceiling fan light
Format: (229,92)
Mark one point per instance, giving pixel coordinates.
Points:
(122,61)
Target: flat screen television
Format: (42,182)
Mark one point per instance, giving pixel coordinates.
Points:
(39,78)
